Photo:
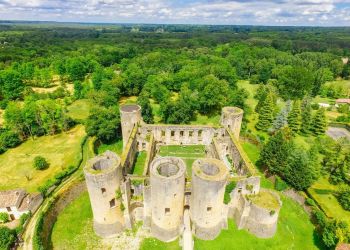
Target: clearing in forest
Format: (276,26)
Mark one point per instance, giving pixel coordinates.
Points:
(61,151)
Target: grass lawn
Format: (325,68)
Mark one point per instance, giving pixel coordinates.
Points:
(74,226)
(116,147)
(188,153)
(61,151)
(140,163)
(322,191)
(294,231)
(80,109)
(155,244)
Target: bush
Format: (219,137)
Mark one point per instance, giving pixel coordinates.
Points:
(7,238)
(9,139)
(310,202)
(40,163)
(228,190)
(319,217)
(280,185)
(4,217)
(344,199)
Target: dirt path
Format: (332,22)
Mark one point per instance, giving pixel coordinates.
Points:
(337,133)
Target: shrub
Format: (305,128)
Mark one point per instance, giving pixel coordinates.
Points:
(310,202)
(319,217)
(40,163)
(4,217)
(7,237)
(228,190)
(280,185)
(344,199)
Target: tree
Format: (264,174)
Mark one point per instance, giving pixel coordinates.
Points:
(275,153)
(4,217)
(334,232)
(344,198)
(282,117)
(76,69)
(294,117)
(319,123)
(299,173)
(266,114)
(78,88)
(306,116)
(11,85)
(146,108)
(104,123)
(7,238)
(40,163)
(294,82)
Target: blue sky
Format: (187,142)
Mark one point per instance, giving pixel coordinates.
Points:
(252,12)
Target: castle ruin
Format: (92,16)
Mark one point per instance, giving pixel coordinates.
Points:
(168,200)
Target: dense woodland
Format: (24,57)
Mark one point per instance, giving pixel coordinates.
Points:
(186,70)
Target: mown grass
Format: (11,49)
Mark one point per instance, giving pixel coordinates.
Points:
(323,192)
(61,151)
(188,153)
(74,226)
(140,163)
(116,147)
(294,231)
(80,109)
(154,244)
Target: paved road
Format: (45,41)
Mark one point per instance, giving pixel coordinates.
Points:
(337,133)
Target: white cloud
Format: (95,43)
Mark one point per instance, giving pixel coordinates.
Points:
(264,12)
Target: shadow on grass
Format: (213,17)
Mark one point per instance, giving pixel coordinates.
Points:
(323,191)
(317,239)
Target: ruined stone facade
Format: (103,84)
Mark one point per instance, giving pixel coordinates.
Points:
(169,201)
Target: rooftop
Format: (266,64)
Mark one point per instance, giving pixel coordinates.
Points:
(130,108)
(11,198)
(265,199)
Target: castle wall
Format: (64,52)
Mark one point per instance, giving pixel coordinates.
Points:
(103,175)
(208,216)
(151,150)
(129,153)
(167,179)
(181,134)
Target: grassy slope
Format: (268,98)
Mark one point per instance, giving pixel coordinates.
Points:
(60,150)
(73,228)
(116,147)
(294,231)
(322,191)
(154,244)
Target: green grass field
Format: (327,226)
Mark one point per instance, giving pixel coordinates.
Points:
(116,147)
(188,153)
(80,109)
(323,192)
(155,244)
(74,227)
(61,151)
(294,231)
(140,163)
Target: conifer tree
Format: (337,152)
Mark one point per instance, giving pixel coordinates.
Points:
(319,123)
(282,117)
(306,116)
(294,117)
(266,114)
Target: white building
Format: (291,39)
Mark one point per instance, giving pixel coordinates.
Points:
(17,202)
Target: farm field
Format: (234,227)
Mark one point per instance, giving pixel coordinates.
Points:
(61,151)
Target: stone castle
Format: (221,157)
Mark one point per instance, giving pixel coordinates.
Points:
(169,202)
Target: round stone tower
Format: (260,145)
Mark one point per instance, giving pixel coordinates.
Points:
(167,180)
(103,175)
(231,118)
(130,115)
(209,178)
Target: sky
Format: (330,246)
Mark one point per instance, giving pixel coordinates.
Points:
(234,12)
